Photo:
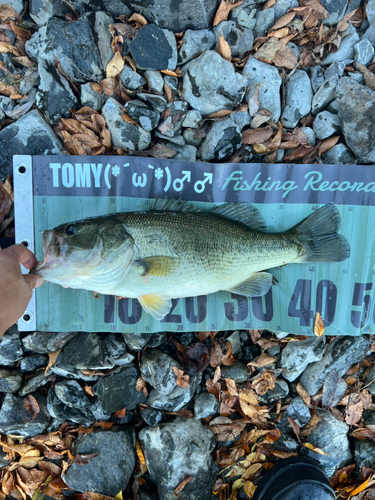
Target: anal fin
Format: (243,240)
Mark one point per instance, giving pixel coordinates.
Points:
(257,285)
(156,305)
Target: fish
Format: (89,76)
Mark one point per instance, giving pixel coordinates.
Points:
(176,250)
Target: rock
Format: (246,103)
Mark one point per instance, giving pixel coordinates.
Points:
(177,139)
(155,80)
(10,345)
(222,141)
(193,42)
(15,419)
(281,7)
(146,117)
(370,13)
(333,107)
(183,448)
(31,363)
(107,473)
(244,14)
(356,107)
(336,68)
(358,77)
(265,19)
(157,102)
(2,115)
(115,345)
(330,435)
(369,381)
(46,342)
(237,372)
(240,39)
(118,390)
(17,5)
(172,83)
(34,382)
(194,15)
(173,117)
(317,77)
(267,79)
(280,391)
(151,416)
(336,10)
(63,412)
(54,96)
(136,341)
(157,370)
(285,443)
(235,340)
(154,48)
(205,405)
(3,462)
(184,153)
(30,135)
(192,137)
(10,380)
(339,155)
(364,454)
(72,394)
(131,80)
(193,119)
(298,411)
(299,96)
(211,84)
(297,355)
(100,22)
(157,339)
(350,38)
(91,98)
(41,10)
(176,399)
(124,135)
(326,124)
(325,94)
(340,355)
(114,7)
(241,119)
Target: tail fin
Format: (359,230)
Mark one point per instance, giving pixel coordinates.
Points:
(318,234)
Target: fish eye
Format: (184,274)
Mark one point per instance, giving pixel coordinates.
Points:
(70,229)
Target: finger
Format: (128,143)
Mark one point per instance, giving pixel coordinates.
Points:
(23,255)
(33,280)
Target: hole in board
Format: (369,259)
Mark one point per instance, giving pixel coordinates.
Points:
(22,169)
(25,243)
(26,317)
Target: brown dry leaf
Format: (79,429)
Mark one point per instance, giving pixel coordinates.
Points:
(141,386)
(7,47)
(169,72)
(127,119)
(223,48)
(318,325)
(248,409)
(282,34)
(88,390)
(181,486)
(24,61)
(228,359)
(121,413)
(366,399)
(256,136)
(298,153)
(264,383)
(254,102)
(261,117)
(231,386)
(168,92)
(276,52)
(263,360)
(7,11)
(51,467)
(181,379)
(223,11)
(5,202)
(341,476)
(226,429)
(158,151)
(249,488)
(115,66)
(327,144)
(295,427)
(364,433)
(216,354)
(368,76)
(141,457)
(219,114)
(315,450)
(31,405)
(282,454)
(52,356)
(310,426)
(304,394)
(137,18)
(249,396)
(251,470)
(353,16)
(283,21)
(269,4)
(21,33)
(96,86)
(354,413)
(109,86)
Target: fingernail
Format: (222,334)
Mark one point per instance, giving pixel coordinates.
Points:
(39,281)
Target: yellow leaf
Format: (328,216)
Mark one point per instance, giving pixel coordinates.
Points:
(137,18)
(316,450)
(318,325)
(250,471)
(52,359)
(249,489)
(119,496)
(223,48)
(115,65)
(361,488)
(6,47)
(141,457)
(237,484)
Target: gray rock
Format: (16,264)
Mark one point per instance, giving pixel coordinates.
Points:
(370,381)
(280,391)
(157,370)
(46,342)
(285,443)
(241,119)
(136,341)
(210,84)
(336,10)
(146,117)
(356,108)
(222,141)
(363,454)
(173,117)
(339,155)
(114,7)
(2,115)
(240,39)
(183,448)
(295,49)
(131,80)
(155,80)
(310,134)
(299,96)
(151,416)
(193,119)
(265,19)
(124,135)
(10,346)
(30,135)
(34,382)
(341,354)
(268,80)
(107,473)
(336,68)
(177,398)
(100,22)
(172,82)
(330,435)
(192,137)
(194,15)
(325,94)
(10,380)
(235,340)
(184,153)
(326,124)
(350,38)
(244,14)
(298,411)
(3,462)
(118,390)
(15,419)
(115,345)
(281,7)
(317,78)
(125,359)
(40,11)
(157,339)
(157,102)
(177,139)
(17,5)
(154,48)
(205,404)
(193,42)
(370,13)
(54,96)
(297,355)
(237,372)
(71,393)
(358,77)
(333,107)
(31,363)
(67,413)
(91,98)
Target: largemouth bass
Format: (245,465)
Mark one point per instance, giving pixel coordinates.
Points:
(175,250)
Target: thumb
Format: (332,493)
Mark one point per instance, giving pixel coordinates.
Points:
(33,280)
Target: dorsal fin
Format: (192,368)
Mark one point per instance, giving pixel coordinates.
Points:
(242,212)
(172,205)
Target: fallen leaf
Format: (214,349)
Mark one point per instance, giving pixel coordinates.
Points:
(283,21)
(226,429)
(31,405)
(341,476)
(52,359)
(223,48)
(249,488)
(281,33)
(276,52)
(352,16)
(264,115)
(364,433)
(158,151)
(256,136)
(304,394)
(141,386)
(295,427)
(219,114)
(141,457)
(127,119)
(105,425)
(362,487)
(115,66)
(181,486)
(5,202)
(121,413)
(366,399)
(249,396)
(181,379)
(334,389)
(264,383)
(315,450)
(298,153)
(327,144)
(223,11)
(168,92)
(228,359)
(368,76)
(7,47)
(138,18)
(231,387)
(88,390)
(262,360)
(254,102)
(215,354)
(169,72)
(269,4)
(310,426)
(123,28)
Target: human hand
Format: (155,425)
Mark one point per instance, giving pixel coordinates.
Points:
(16,288)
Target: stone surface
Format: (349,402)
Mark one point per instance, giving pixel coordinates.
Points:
(363,454)
(136,341)
(370,381)
(205,404)
(240,39)
(15,419)
(281,7)
(63,412)
(146,117)
(115,345)
(241,119)
(72,394)
(30,135)
(10,380)
(124,135)
(238,372)
(211,84)
(297,355)
(325,94)
(193,42)
(336,10)
(339,155)
(155,80)
(370,13)
(299,96)
(154,48)
(326,124)
(192,119)
(157,102)
(31,363)
(34,382)
(41,11)
(340,355)
(177,398)
(316,77)
(183,448)
(151,416)
(244,14)
(100,22)
(184,153)
(265,19)
(267,79)
(131,80)
(350,38)
(157,370)
(109,472)
(10,346)
(280,391)
(45,342)
(298,411)
(356,108)
(336,68)
(89,97)
(172,118)
(222,141)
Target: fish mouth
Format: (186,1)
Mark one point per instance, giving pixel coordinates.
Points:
(54,254)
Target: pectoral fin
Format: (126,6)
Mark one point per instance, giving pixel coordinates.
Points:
(257,285)
(156,305)
(158,266)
